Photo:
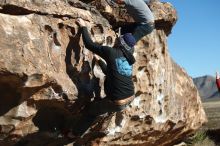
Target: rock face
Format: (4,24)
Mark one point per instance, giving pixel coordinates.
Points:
(207,87)
(46,75)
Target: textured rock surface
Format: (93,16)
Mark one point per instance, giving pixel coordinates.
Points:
(165,14)
(46,75)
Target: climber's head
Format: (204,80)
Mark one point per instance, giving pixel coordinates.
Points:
(128,41)
(118,1)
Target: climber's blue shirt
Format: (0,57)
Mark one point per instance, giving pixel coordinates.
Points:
(118,83)
(123,66)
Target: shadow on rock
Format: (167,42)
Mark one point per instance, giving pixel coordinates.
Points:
(52,122)
(9,98)
(86,85)
(214,135)
(52,119)
(42,139)
(13,92)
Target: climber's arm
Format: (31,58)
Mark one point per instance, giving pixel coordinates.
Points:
(103,66)
(89,44)
(102,51)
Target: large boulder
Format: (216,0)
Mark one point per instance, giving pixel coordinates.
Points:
(47,75)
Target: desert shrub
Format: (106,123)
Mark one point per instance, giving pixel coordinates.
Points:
(200,138)
(205,142)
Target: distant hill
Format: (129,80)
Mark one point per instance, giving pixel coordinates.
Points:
(207,88)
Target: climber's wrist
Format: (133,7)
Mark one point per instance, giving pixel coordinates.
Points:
(81,22)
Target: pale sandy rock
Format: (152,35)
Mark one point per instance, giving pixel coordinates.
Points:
(46,74)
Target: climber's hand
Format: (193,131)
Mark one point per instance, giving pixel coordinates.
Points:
(81,22)
(96,58)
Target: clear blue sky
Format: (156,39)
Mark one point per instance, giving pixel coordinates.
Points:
(195,40)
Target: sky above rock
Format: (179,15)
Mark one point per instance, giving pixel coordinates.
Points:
(195,40)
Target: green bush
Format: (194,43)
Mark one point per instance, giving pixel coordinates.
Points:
(200,138)
(205,142)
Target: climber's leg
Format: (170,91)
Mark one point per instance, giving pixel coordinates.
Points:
(91,112)
(142,30)
(128,28)
(103,106)
(138,30)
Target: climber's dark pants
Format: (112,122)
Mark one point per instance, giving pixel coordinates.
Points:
(93,110)
(138,30)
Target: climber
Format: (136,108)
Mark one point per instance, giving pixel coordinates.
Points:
(118,86)
(142,15)
(218,81)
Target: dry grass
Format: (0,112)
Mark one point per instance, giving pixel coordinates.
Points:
(205,142)
(210,131)
(212,110)
(200,138)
